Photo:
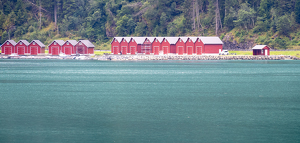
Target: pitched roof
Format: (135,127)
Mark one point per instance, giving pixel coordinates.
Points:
(184,39)
(211,40)
(259,47)
(160,39)
(139,40)
(172,40)
(11,41)
(127,39)
(194,39)
(119,39)
(151,39)
(24,42)
(72,42)
(39,43)
(87,43)
(59,42)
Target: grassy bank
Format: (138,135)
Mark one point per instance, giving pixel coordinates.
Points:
(288,53)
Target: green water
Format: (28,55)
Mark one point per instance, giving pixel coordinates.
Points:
(165,101)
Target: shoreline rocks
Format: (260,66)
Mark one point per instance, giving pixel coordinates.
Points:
(156,57)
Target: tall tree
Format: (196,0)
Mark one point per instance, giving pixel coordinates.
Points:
(297,11)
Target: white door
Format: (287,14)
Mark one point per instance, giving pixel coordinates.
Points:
(266,52)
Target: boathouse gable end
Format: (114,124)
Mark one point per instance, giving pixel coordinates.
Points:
(21,47)
(8,47)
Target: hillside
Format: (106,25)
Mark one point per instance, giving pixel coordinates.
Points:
(240,23)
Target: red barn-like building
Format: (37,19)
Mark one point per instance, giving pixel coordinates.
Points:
(115,45)
(261,50)
(211,45)
(69,47)
(36,47)
(156,45)
(132,47)
(55,48)
(84,47)
(21,47)
(180,46)
(189,46)
(165,46)
(8,47)
(124,45)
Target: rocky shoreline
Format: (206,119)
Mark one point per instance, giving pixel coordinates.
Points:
(155,57)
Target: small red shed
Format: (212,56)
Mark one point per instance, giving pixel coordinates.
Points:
(261,50)
(69,47)
(211,45)
(8,47)
(36,47)
(198,46)
(55,47)
(84,47)
(132,47)
(180,45)
(189,46)
(115,45)
(21,47)
(124,46)
(165,46)
(146,47)
(156,46)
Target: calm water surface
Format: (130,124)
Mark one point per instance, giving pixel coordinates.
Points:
(165,101)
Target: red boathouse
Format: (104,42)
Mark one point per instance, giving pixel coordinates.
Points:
(55,48)
(21,47)
(69,47)
(156,46)
(180,46)
(115,45)
(132,47)
(36,47)
(261,50)
(189,46)
(211,45)
(8,47)
(84,47)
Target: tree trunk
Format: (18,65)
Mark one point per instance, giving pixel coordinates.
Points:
(40,14)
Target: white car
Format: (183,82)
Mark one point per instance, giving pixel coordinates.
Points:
(224,52)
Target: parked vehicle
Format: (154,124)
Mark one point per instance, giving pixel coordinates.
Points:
(224,52)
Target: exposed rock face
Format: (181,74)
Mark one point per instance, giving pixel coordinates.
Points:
(231,44)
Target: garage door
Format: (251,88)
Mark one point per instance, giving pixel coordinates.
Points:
(124,50)
(68,50)
(21,50)
(7,50)
(55,50)
(80,50)
(180,50)
(156,50)
(199,50)
(33,50)
(132,50)
(165,50)
(116,50)
(190,50)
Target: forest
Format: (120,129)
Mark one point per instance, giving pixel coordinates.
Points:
(271,22)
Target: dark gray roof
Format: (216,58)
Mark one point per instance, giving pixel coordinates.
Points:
(11,41)
(72,42)
(39,43)
(87,43)
(24,42)
(259,47)
(60,42)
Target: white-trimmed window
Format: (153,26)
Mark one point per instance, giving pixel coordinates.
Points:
(33,43)
(20,43)
(67,43)
(198,40)
(54,43)
(80,43)
(262,51)
(7,43)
